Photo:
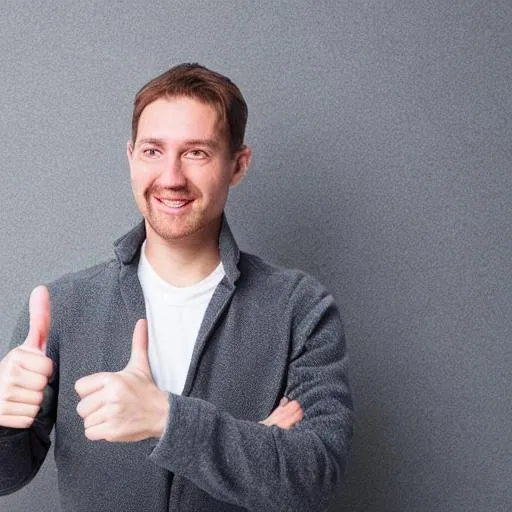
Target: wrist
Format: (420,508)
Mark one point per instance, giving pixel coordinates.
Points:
(163,415)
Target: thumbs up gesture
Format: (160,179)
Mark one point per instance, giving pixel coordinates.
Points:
(25,370)
(126,405)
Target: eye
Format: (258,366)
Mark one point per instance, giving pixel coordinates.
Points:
(151,152)
(196,154)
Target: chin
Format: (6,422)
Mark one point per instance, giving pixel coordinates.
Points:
(170,233)
(173,229)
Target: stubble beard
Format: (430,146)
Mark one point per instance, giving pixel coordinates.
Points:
(171,227)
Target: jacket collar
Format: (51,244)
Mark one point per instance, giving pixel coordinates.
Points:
(127,248)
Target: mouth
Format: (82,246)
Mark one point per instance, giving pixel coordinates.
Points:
(174,203)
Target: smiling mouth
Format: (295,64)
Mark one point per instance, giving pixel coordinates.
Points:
(173,203)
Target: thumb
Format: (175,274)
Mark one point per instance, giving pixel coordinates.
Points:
(39,322)
(139,356)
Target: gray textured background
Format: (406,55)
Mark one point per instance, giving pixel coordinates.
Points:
(382,136)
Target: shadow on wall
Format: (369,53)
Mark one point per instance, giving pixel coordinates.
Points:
(372,468)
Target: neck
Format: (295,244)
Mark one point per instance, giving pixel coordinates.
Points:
(183,262)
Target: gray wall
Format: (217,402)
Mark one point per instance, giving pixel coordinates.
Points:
(382,136)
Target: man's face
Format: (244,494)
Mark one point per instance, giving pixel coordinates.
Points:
(181,168)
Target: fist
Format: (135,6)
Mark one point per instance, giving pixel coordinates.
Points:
(126,405)
(25,370)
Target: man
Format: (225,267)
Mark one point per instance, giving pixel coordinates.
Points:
(171,419)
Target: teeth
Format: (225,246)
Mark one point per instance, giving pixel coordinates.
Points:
(173,204)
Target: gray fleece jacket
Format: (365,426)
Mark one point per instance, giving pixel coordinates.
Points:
(267,332)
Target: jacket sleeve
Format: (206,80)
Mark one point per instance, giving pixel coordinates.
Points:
(22,451)
(269,468)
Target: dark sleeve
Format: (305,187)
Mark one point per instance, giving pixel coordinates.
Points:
(22,451)
(269,468)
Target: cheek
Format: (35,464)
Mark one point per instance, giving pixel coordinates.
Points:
(220,180)
(139,187)
(217,188)
(142,177)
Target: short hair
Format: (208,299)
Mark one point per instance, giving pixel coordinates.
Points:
(195,81)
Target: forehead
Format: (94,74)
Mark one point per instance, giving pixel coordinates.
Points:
(180,118)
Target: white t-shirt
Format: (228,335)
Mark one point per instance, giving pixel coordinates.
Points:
(174,317)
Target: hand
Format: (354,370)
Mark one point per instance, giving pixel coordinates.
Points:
(126,405)
(286,415)
(25,370)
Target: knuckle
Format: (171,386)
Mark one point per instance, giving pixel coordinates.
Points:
(116,411)
(51,370)
(47,368)
(43,382)
(19,358)
(38,397)
(26,422)
(34,409)
(80,388)
(13,378)
(92,434)
(14,356)
(115,388)
(9,394)
(298,407)
(11,371)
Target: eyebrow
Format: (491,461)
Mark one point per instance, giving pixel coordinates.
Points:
(213,144)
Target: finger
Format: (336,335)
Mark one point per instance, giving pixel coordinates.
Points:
(34,362)
(294,416)
(292,405)
(16,421)
(139,355)
(18,409)
(23,396)
(293,408)
(96,418)
(39,323)
(283,409)
(98,432)
(274,417)
(91,383)
(287,422)
(276,413)
(110,433)
(29,380)
(90,404)
(285,416)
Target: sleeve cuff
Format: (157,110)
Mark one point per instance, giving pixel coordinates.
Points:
(184,433)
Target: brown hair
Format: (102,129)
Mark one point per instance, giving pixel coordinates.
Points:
(196,81)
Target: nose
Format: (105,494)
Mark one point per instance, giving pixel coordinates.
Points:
(172,175)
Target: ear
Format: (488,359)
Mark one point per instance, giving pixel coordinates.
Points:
(243,162)
(129,150)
